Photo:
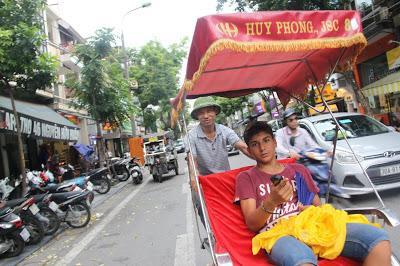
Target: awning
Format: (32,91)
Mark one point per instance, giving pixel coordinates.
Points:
(388,84)
(37,121)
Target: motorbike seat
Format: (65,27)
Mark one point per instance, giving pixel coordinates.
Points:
(96,171)
(60,197)
(5,211)
(15,202)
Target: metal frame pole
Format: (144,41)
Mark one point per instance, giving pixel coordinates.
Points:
(341,130)
(201,197)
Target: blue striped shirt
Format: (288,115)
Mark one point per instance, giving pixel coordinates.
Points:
(211,155)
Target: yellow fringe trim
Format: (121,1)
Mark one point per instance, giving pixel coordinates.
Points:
(276,46)
(357,40)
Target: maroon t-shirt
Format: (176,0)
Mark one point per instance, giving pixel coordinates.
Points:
(256,184)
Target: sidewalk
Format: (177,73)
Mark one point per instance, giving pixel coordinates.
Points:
(98,200)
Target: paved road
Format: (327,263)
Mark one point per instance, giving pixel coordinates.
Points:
(150,224)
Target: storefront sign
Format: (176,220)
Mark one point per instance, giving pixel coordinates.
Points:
(393,58)
(37,128)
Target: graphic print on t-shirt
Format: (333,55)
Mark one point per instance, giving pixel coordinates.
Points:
(285,210)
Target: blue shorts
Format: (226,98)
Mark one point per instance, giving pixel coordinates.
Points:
(360,239)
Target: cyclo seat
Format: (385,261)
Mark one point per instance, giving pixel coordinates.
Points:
(227,223)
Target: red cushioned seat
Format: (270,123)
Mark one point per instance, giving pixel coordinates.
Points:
(227,222)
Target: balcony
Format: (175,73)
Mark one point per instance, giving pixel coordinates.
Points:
(65,105)
(378,21)
(70,62)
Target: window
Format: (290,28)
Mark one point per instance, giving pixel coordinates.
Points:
(354,126)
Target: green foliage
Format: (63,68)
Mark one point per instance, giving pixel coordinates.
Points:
(102,89)
(230,105)
(259,5)
(21,44)
(156,69)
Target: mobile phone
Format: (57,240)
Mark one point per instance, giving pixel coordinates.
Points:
(276,179)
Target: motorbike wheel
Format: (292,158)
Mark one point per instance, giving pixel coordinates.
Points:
(17,246)
(54,221)
(35,228)
(138,179)
(83,220)
(125,175)
(157,178)
(105,185)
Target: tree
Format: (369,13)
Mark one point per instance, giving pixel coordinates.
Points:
(23,66)
(156,69)
(102,89)
(260,5)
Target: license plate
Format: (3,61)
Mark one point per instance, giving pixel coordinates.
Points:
(90,186)
(34,209)
(25,234)
(53,206)
(390,170)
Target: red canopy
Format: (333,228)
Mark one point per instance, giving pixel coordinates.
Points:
(237,54)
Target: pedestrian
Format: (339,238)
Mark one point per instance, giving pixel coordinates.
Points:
(208,141)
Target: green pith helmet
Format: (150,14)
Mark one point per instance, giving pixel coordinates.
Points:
(204,102)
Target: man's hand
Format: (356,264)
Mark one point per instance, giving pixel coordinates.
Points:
(294,155)
(281,193)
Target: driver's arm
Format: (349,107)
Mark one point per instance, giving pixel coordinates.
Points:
(242,146)
(192,180)
(280,148)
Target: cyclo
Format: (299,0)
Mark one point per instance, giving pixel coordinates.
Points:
(284,52)
(160,155)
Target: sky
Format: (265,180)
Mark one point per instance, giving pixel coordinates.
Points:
(167,21)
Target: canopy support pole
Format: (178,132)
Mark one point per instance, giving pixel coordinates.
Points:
(331,166)
(341,130)
(201,197)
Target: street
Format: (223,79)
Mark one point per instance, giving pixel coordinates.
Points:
(152,224)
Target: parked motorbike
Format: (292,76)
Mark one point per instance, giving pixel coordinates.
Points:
(49,218)
(316,162)
(72,207)
(31,218)
(135,171)
(100,178)
(13,234)
(119,167)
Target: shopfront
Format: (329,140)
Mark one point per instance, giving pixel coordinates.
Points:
(43,130)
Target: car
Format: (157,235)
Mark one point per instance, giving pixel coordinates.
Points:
(179,146)
(376,146)
(275,124)
(231,150)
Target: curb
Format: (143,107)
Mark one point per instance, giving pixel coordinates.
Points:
(29,250)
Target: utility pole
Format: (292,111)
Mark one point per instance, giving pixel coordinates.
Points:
(126,65)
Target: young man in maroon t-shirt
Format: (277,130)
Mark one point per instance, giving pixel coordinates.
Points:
(263,203)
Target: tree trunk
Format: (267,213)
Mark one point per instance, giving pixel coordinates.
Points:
(21,159)
(361,99)
(99,144)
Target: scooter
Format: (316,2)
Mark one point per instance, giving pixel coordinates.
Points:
(119,168)
(135,171)
(13,234)
(316,161)
(29,213)
(72,207)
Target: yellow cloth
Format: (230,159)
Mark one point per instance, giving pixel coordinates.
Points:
(322,228)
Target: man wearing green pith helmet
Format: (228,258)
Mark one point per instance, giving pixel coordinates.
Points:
(208,141)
